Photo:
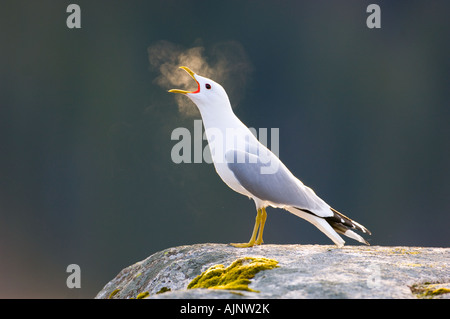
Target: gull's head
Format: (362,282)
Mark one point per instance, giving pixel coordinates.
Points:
(209,94)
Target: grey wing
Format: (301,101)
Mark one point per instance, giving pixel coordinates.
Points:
(268,179)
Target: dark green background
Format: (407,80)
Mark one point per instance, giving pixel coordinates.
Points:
(85,170)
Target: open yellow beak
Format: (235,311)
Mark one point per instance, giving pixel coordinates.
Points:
(191,73)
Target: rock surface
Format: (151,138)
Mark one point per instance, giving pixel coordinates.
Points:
(305,271)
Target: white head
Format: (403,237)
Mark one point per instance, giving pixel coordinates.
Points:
(209,96)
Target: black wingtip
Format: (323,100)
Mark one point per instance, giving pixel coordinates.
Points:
(340,218)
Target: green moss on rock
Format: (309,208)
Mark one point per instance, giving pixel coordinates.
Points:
(163,290)
(234,277)
(429,290)
(112,294)
(142,295)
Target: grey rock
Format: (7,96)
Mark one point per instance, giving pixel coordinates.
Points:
(305,271)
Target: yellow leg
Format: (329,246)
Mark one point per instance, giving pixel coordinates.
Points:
(259,241)
(260,220)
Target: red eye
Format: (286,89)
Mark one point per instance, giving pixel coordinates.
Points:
(208,86)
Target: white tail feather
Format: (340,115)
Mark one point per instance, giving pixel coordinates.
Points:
(320,223)
(355,236)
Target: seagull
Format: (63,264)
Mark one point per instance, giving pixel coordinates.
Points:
(251,169)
